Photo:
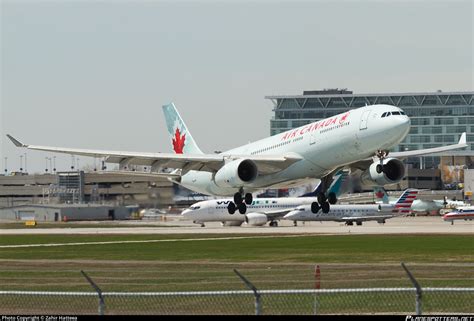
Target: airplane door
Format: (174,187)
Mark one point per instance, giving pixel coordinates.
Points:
(364,119)
(312,138)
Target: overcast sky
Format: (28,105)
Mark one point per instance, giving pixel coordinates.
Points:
(91,74)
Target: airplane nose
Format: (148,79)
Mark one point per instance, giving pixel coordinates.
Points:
(185,213)
(402,124)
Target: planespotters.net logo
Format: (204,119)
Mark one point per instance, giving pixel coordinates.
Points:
(441,318)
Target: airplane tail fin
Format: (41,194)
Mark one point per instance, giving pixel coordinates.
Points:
(181,139)
(381,194)
(403,204)
(336,186)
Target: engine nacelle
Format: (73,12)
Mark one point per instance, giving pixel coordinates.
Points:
(236,173)
(394,170)
(256,219)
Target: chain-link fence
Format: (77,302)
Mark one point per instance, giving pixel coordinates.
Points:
(325,301)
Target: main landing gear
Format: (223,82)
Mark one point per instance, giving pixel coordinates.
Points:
(381,155)
(323,200)
(240,202)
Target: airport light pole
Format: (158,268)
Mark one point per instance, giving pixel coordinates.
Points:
(54,164)
(21,163)
(46,167)
(6,165)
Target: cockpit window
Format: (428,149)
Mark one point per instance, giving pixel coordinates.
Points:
(402,113)
(395,113)
(195,207)
(384,114)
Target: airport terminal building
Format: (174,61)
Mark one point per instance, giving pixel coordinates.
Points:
(437,119)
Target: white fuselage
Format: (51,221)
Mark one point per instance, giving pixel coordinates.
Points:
(216,210)
(323,145)
(338,212)
(461,213)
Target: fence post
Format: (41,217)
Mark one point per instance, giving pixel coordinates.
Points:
(99,293)
(252,287)
(417,287)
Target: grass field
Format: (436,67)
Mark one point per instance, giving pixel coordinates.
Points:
(189,262)
(206,262)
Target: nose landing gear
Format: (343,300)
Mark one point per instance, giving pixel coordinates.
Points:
(381,155)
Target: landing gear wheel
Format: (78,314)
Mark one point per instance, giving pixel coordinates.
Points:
(242,208)
(332,198)
(349,223)
(321,198)
(248,198)
(237,198)
(273,223)
(359,223)
(231,208)
(315,207)
(325,207)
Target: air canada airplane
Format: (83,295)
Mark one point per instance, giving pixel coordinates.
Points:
(357,139)
(357,213)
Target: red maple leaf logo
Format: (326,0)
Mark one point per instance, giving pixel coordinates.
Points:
(178,142)
(379,194)
(343,118)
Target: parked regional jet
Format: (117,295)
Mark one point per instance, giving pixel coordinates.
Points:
(261,211)
(419,206)
(461,213)
(357,139)
(357,213)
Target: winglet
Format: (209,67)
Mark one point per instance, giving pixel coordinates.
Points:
(16,142)
(462,139)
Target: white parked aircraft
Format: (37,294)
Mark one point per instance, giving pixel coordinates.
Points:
(419,206)
(261,211)
(357,213)
(461,213)
(357,139)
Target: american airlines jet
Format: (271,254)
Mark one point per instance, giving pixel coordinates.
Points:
(461,213)
(357,139)
(357,213)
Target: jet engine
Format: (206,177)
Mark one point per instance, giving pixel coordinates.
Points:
(393,172)
(256,219)
(236,173)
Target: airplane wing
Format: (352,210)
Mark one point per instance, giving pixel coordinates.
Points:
(186,162)
(276,214)
(461,144)
(141,174)
(365,163)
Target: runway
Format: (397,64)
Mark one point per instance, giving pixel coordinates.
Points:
(398,225)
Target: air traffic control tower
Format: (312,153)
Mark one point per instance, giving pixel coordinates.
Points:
(437,118)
